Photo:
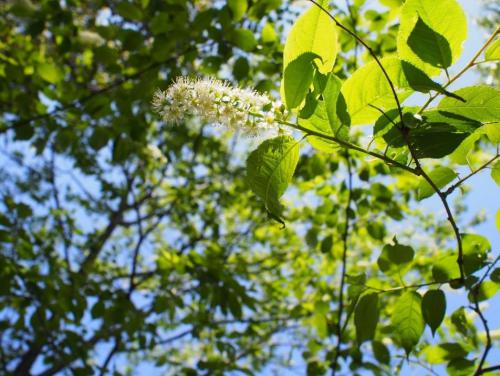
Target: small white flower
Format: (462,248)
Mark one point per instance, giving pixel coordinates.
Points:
(216,102)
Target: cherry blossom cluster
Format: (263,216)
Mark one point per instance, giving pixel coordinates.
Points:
(217,102)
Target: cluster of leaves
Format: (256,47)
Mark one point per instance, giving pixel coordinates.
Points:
(128,243)
(429,41)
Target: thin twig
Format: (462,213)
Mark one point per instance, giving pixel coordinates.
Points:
(458,183)
(345,237)
(487,348)
(348,145)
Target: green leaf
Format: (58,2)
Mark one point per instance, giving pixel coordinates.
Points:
(268,33)
(495,172)
(482,103)
(336,108)
(461,322)
(431,33)
(407,320)
(241,68)
(430,46)
(461,153)
(493,132)
(435,135)
(312,38)
(485,291)
(313,32)
(297,79)
(129,11)
(475,253)
(244,39)
(366,317)
(475,250)
(381,352)
(440,176)
(50,72)
(461,367)
(238,8)
(493,51)
(367,90)
(443,353)
(434,308)
(395,259)
(498,220)
(319,122)
(270,169)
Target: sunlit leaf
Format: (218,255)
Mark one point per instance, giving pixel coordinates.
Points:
(440,176)
(407,320)
(270,169)
(366,317)
(437,40)
(434,308)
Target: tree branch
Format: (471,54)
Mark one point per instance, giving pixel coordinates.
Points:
(345,236)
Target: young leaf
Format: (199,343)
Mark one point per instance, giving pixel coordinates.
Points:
(431,33)
(434,308)
(395,259)
(440,176)
(270,169)
(313,37)
(493,51)
(407,320)
(482,103)
(498,220)
(366,317)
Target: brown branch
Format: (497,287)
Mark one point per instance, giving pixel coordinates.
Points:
(487,348)
(348,145)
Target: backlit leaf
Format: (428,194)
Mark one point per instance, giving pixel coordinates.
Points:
(313,37)
(434,308)
(407,320)
(430,46)
(394,259)
(366,317)
(482,103)
(367,90)
(440,176)
(493,51)
(270,169)
(431,33)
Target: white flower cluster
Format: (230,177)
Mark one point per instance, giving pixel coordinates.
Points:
(216,102)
